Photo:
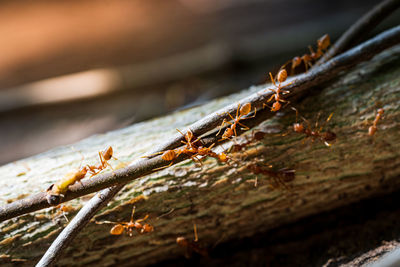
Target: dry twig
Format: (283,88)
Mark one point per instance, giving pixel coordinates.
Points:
(77,223)
(359,29)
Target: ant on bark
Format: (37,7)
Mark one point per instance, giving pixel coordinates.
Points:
(281,176)
(326,136)
(240,112)
(120,227)
(281,77)
(191,245)
(373,128)
(256,136)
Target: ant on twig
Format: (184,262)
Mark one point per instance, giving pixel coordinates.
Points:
(240,112)
(192,149)
(326,136)
(307,59)
(191,245)
(104,156)
(373,128)
(120,227)
(280,77)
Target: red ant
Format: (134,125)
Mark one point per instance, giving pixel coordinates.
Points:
(307,59)
(62,209)
(280,176)
(191,245)
(120,227)
(372,129)
(316,133)
(206,151)
(240,112)
(104,156)
(281,77)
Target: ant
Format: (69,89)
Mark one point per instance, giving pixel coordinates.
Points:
(281,77)
(206,151)
(372,129)
(62,210)
(104,156)
(191,245)
(307,59)
(190,145)
(120,227)
(240,112)
(256,136)
(326,137)
(57,190)
(281,176)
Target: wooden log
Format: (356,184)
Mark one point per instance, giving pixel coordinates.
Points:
(222,200)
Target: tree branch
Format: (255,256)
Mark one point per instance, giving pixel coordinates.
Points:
(300,84)
(77,223)
(359,29)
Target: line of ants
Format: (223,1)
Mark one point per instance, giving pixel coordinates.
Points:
(195,149)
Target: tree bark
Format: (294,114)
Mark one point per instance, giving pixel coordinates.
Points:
(222,200)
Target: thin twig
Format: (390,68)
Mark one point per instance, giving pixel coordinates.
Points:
(301,84)
(77,223)
(359,29)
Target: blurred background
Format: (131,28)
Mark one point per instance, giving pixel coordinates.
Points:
(71,69)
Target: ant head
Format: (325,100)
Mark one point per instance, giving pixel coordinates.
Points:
(245,109)
(147,228)
(276,106)
(189,135)
(282,75)
(381,111)
(298,127)
(228,132)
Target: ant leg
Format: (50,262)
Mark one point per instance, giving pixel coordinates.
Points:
(143,219)
(164,167)
(196,238)
(244,126)
(237,111)
(272,96)
(272,79)
(327,120)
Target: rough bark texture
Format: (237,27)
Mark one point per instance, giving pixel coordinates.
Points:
(222,200)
